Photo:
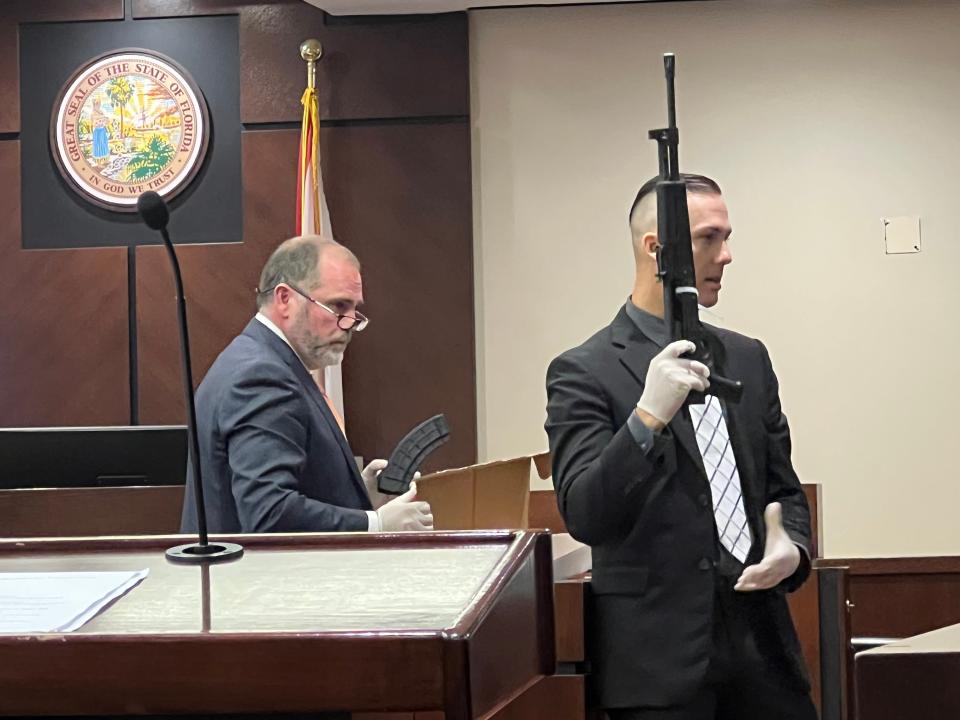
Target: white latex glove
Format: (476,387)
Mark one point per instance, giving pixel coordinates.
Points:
(670,378)
(781,556)
(370,474)
(371,477)
(405,512)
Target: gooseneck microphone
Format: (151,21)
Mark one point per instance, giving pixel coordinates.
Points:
(153,210)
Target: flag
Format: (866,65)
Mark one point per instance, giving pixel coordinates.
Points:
(313,218)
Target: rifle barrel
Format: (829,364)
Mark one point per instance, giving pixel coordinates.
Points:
(669,68)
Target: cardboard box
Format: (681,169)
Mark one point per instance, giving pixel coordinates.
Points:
(496,495)
(488,496)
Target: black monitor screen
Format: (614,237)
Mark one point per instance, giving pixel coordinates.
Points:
(70,457)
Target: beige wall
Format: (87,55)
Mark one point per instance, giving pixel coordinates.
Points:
(818,119)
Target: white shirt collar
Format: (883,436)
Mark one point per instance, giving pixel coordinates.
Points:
(271,326)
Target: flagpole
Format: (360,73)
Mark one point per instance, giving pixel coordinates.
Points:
(311,50)
(331,382)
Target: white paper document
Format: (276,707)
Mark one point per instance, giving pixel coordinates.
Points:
(58,601)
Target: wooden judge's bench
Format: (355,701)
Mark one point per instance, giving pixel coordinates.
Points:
(479,624)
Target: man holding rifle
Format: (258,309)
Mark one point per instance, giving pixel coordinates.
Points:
(696,519)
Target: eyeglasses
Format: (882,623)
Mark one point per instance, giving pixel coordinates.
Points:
(356,322)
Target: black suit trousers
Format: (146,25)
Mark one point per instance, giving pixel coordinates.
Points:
(740,684)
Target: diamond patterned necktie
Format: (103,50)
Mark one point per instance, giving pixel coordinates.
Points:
(721,466)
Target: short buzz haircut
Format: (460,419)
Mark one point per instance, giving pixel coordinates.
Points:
(295,262)
(695,184)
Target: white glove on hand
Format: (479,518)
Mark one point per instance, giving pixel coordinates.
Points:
(781,557)
(371,478)
(405,512)
(670,378)
(370,474)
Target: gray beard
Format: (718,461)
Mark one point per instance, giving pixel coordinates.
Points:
(329,358)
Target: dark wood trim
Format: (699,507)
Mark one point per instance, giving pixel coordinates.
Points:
(932,565)
(554,697)
(503,571)
(84,512)
(918,683)
(202,674)
(518,538)
(532,634)
(570,607)
(546,613)
(457,698)
(805,612)
(154,9)
(507,701)
(834,643)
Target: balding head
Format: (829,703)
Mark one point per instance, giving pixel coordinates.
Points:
(309,287)
(297,262)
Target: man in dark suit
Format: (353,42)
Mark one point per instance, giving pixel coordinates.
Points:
(696,519)
(273,453)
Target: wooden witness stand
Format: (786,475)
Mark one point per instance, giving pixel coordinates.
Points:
(455,622)
(516,652)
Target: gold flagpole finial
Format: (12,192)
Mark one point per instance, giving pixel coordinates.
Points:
(311,50)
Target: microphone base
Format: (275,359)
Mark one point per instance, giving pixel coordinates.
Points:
(195,553)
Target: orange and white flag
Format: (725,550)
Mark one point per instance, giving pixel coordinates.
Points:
(313,218)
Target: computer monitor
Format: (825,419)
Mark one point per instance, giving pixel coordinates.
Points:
(72,457)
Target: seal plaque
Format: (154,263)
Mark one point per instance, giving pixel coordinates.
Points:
(127,122)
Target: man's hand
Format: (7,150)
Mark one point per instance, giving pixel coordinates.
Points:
(370,474)
(781,557)
(670,378)
(405,512)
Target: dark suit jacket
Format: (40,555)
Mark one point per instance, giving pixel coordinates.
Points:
(273,458)
(649,519)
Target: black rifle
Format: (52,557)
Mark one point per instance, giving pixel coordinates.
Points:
(675,256)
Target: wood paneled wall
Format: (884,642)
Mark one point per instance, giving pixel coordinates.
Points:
(63,324)
(396,160)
